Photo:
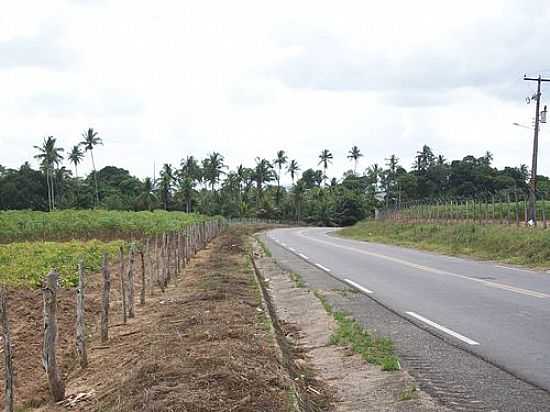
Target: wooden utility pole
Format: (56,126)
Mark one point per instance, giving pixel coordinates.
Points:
(532,208)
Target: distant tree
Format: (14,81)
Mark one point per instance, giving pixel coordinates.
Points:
(166,184)
(280,161)
(293,168)
(147,198)
(325,158)
(213,168)
(354,154)
(262,173)
(50,157)
(90,139)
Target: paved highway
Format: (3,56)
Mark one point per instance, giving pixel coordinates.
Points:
(497,312)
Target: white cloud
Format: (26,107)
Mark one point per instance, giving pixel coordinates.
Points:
(163,80)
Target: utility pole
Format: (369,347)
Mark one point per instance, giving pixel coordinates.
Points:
(532,207)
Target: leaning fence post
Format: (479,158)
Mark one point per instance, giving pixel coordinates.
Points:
(105,295)
(8,357)
(80,322)
(55,383)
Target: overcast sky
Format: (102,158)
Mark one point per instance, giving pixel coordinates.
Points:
(160,80)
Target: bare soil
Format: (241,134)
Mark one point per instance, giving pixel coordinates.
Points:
(203,345)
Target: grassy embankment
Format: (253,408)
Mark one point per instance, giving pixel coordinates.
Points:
(509,244)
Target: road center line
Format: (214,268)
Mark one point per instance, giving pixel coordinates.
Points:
(443,329)
(358,286)
(303,256)
(487,283)
(322,267)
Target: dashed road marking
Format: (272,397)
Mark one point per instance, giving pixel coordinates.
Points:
(303,256)
(443,329)
(322,267)
(358,286)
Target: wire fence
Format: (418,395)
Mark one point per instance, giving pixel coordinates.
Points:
(507,208)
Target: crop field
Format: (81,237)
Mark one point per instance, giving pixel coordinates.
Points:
(33,243)
(89,224)
(26,263)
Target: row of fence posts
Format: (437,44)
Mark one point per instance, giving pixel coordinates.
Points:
(503,209)
(256,221)
(161,260)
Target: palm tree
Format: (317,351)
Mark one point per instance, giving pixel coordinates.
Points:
(147,197)
(166,184)
(355,154)
(49,156)
(213,168)
(280,161)
(293,168)
(75,157)
(91,139)
(298,191)
(325,158)
(262,173)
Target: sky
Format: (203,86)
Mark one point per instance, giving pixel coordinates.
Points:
(166,79)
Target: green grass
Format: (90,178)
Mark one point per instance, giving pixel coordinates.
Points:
(27,263)
(509,244)
(266,250)
(375,350)
(16,225)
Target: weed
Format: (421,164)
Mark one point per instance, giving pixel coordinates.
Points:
(297,279)
(267,252)
(408,394)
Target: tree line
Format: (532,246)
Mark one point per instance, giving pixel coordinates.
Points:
(210,187)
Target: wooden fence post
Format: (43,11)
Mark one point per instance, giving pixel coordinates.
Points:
(143,282)
(9,394)
(130,294)
(80,322)
(122,285)
(105,298)
(55,383)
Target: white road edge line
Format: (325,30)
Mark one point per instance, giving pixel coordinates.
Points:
(443,329)
(358,286)
(322,267)
(291,248)
(284,244)
(303,256)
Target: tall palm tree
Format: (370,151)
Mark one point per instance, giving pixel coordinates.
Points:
(355,154)
(49,156)
(325,158)
(75,157)
(293,168)
(90,140)
(280,161)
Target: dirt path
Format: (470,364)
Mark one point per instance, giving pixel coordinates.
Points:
(203,345)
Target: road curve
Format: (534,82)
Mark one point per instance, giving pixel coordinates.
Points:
(499,313)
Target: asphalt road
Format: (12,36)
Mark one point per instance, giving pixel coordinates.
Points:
(500,313)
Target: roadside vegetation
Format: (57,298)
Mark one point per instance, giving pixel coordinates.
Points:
(510,244)
(375,350)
